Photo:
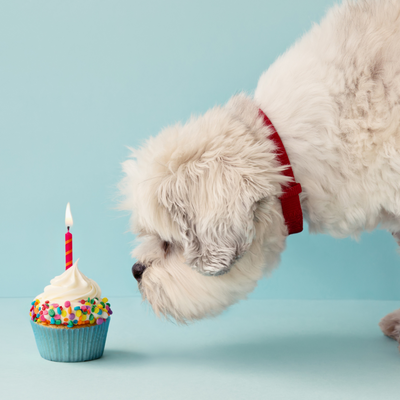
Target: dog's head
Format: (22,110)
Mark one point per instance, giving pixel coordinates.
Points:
(204,205)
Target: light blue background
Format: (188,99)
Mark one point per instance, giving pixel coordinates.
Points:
(80,80)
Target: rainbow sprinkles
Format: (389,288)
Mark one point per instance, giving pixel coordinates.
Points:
(88,312)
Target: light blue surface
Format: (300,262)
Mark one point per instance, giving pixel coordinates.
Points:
(259,349)
(80,80)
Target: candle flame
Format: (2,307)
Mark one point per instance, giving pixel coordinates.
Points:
(68,216)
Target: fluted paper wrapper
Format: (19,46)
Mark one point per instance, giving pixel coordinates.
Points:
(71,345)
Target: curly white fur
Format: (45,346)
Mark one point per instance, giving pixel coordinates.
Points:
(211,186)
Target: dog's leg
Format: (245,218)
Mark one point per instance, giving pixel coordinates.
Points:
(396,235)
(390,324)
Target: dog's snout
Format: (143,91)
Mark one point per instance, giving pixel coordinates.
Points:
(137,271)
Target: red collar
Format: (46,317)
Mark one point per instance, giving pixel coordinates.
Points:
(290,200)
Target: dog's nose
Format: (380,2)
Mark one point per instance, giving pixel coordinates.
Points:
(137,271)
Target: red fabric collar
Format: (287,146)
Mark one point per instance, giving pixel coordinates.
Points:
(290,200)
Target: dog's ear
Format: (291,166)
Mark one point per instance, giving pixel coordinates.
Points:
(213,206)
(214,180)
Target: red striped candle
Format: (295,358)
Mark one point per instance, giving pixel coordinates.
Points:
(68,249)
(68,238)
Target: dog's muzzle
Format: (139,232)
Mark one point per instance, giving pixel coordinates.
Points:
(137,271)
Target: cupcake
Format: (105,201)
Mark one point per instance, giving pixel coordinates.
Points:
(70,319)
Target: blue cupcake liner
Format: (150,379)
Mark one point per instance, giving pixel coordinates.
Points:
(71,345)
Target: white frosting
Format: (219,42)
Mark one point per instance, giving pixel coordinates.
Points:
(71,285)
(72,299)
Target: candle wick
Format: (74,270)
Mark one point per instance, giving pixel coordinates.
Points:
(68,228)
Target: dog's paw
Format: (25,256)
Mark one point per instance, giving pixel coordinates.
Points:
(390,325)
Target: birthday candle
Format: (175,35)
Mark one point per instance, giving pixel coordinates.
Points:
(68,238)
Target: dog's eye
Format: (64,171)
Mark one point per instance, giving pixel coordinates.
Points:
(166,247)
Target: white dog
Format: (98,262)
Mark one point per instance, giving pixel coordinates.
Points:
(206,196)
